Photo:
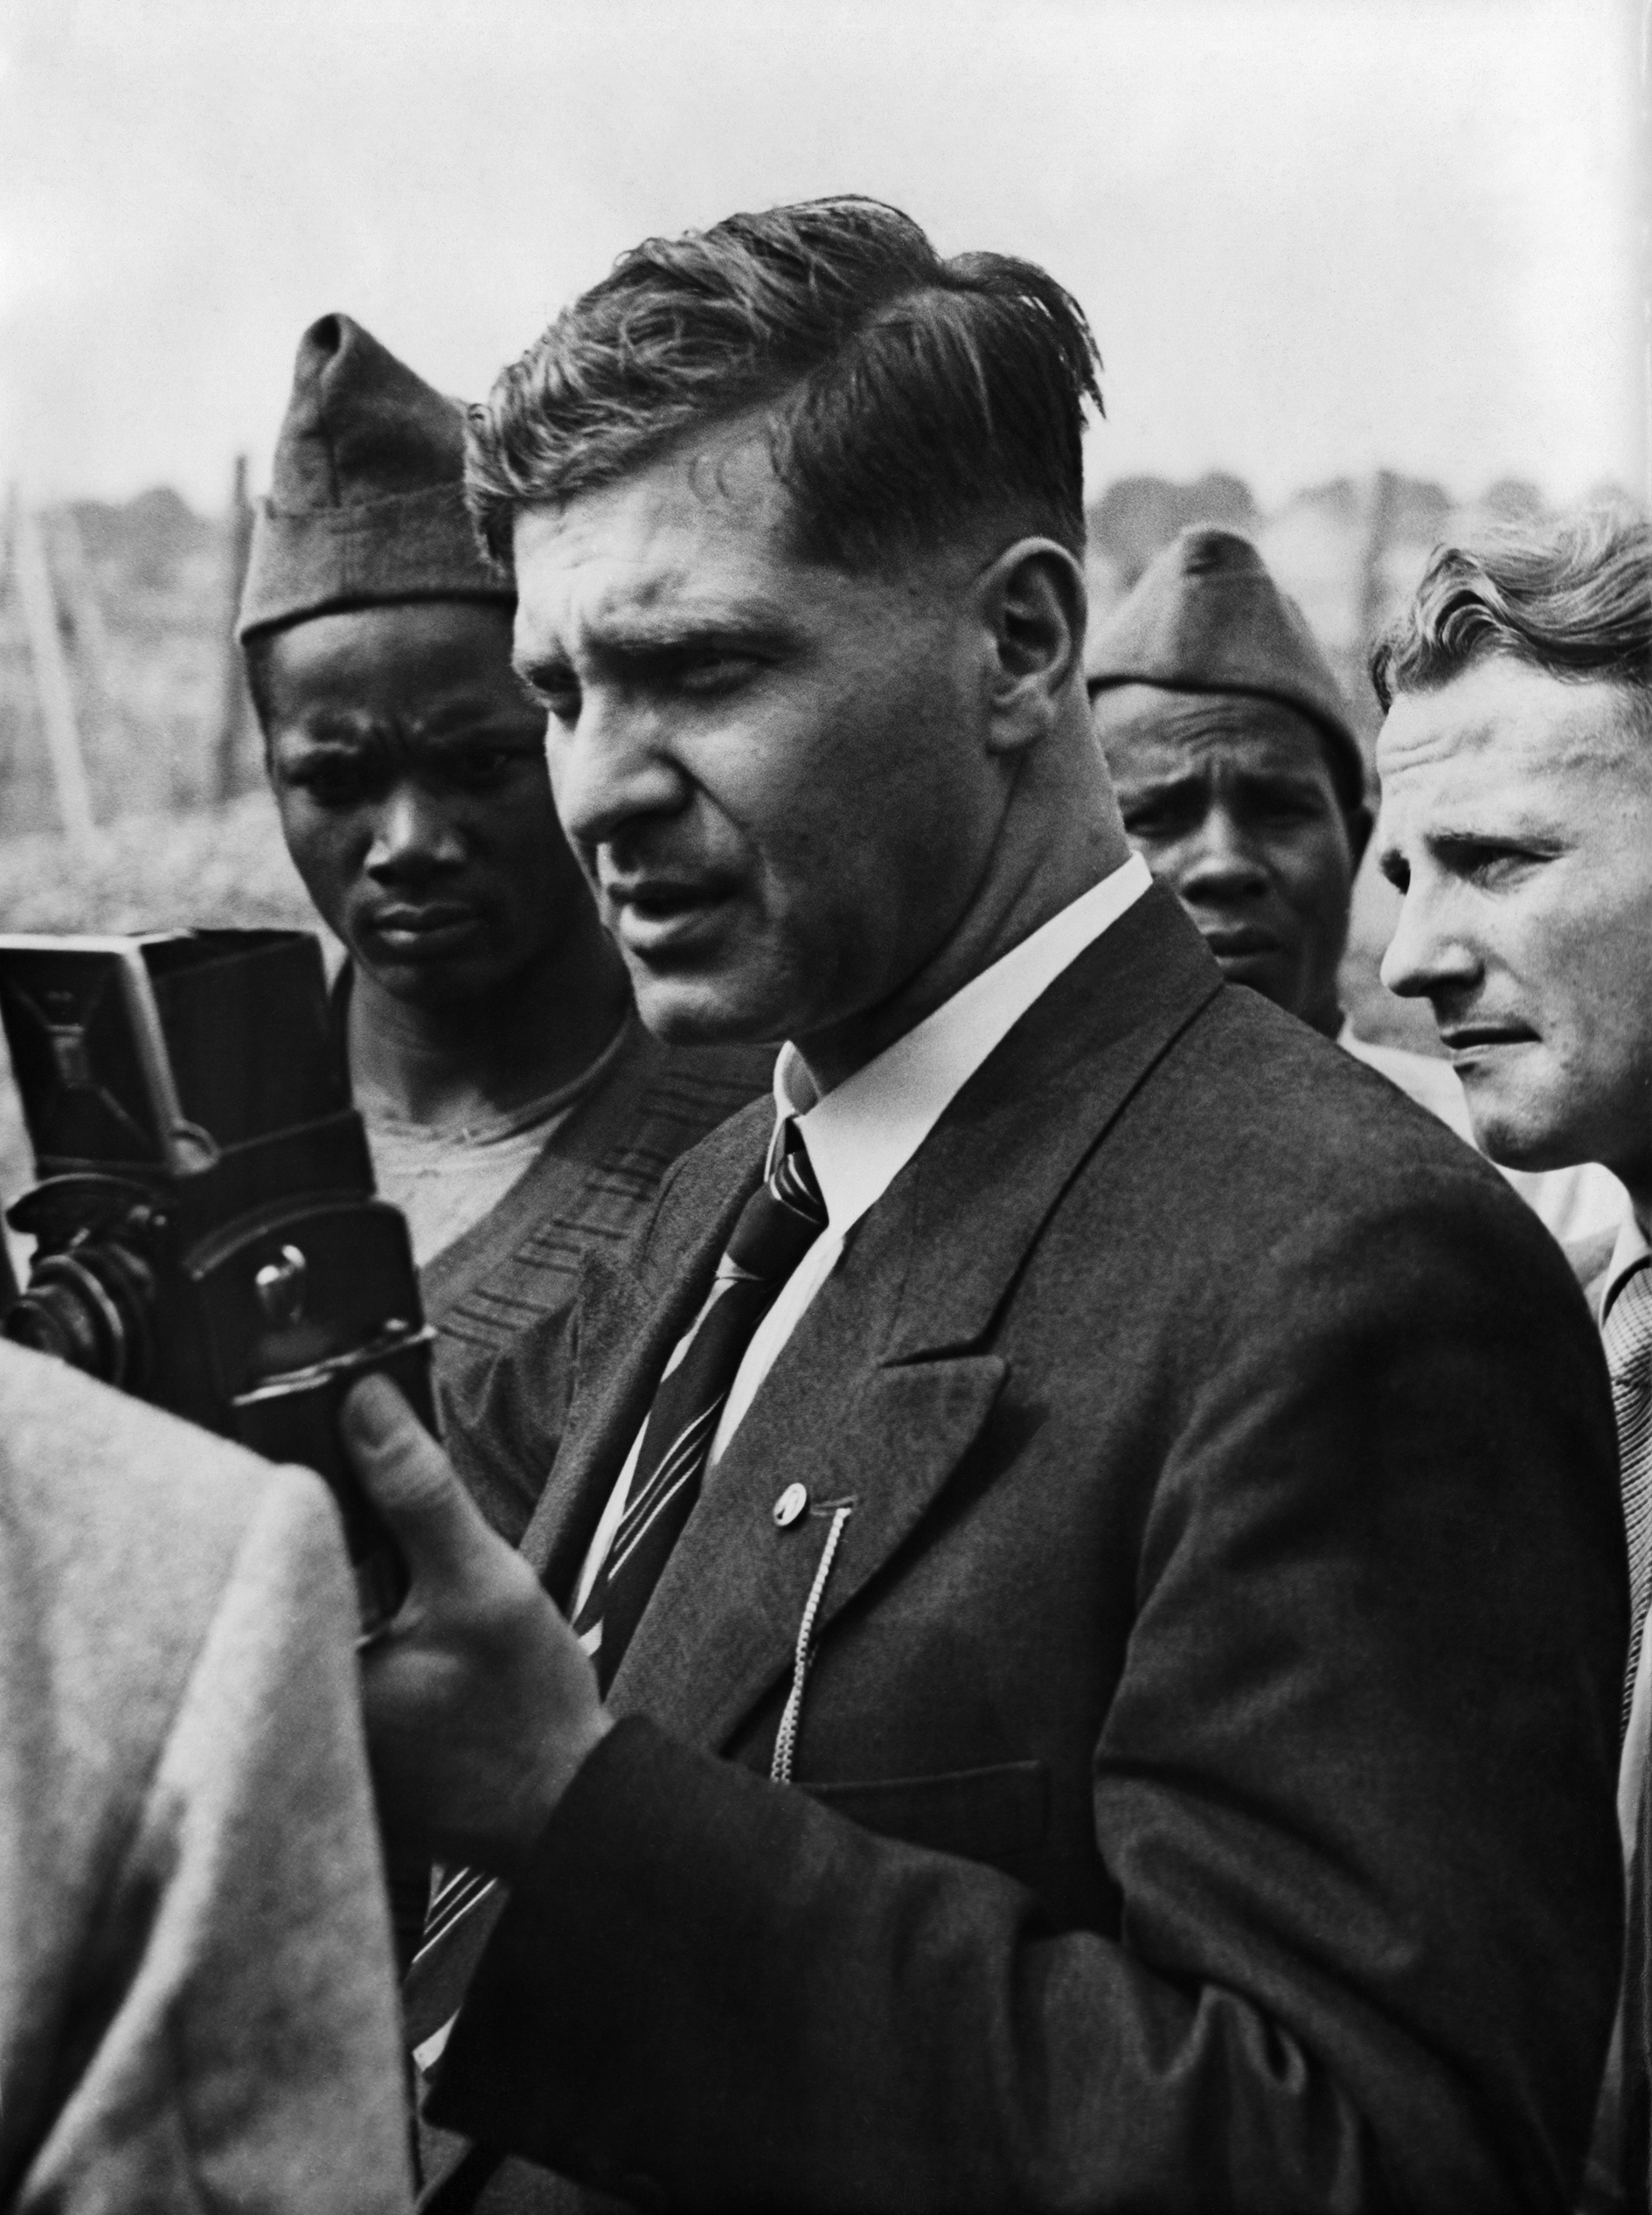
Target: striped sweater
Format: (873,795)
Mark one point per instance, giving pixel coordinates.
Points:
(500,1295)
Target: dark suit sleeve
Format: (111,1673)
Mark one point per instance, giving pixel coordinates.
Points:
(1355,1789)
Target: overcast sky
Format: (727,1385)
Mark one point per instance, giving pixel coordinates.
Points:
(1313,236)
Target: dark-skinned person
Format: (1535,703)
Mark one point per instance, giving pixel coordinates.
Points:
(1242,784)
(1072,1656)
(516,1110)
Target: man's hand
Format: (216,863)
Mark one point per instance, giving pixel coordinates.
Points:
(479,1704)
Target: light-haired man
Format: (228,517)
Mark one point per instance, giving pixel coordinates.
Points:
(1022,1517)
(1242,783)
(1516,820)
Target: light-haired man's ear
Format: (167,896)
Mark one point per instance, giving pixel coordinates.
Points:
(1034,601)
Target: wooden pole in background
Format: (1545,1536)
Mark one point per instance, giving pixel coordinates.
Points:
(51,685)
(73,574)
(233,704)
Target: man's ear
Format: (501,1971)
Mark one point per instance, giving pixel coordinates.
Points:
(1033,603)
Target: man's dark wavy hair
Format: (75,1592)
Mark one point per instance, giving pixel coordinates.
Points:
(907,395)
(1572,598)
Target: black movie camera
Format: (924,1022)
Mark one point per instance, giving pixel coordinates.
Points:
(206,1234)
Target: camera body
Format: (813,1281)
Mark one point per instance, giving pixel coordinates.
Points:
(206,1232)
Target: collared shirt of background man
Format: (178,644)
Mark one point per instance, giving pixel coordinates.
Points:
(1241,781)
(1096,1629)
(516,1110)
(1516,821)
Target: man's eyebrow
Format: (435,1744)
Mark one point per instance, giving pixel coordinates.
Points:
(452,721)
(1140,784)
(1458,845)
(1451,838)
(335,726)
(736,616)
(641,641)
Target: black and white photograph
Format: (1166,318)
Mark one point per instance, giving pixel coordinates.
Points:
(826,1106)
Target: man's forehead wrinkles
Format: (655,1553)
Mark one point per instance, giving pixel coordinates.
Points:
(1488,790)
(1200,751)
(1411,740)
(638,614)
(1505,720)
(1185,717)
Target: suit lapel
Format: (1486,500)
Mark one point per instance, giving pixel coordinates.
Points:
(722,1624)
(884,1387)
(997,1162)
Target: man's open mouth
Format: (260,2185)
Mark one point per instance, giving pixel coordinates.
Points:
(654,914)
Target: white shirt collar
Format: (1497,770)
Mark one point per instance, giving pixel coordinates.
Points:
(1633,1247)
(862,1133)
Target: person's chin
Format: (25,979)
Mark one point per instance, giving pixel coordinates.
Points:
(427,981)
(702,1009)
(706,994)
(1518,1122)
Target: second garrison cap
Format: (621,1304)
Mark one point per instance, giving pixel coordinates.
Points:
(1206,616)
(366,500)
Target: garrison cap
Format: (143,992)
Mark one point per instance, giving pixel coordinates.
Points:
(1206,616)
(366,499)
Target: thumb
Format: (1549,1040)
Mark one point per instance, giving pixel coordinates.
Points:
(410,1482)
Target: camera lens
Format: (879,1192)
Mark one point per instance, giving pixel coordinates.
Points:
(87,1307)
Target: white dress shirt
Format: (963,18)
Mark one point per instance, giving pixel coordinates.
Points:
(1632,1248)
(861,1135)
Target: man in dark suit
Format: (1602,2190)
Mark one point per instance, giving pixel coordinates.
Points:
(1094,1597)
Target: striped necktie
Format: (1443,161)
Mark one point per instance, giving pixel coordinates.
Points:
(776,1227)
(1626,1337)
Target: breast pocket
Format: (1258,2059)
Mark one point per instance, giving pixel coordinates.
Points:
(984,1815)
